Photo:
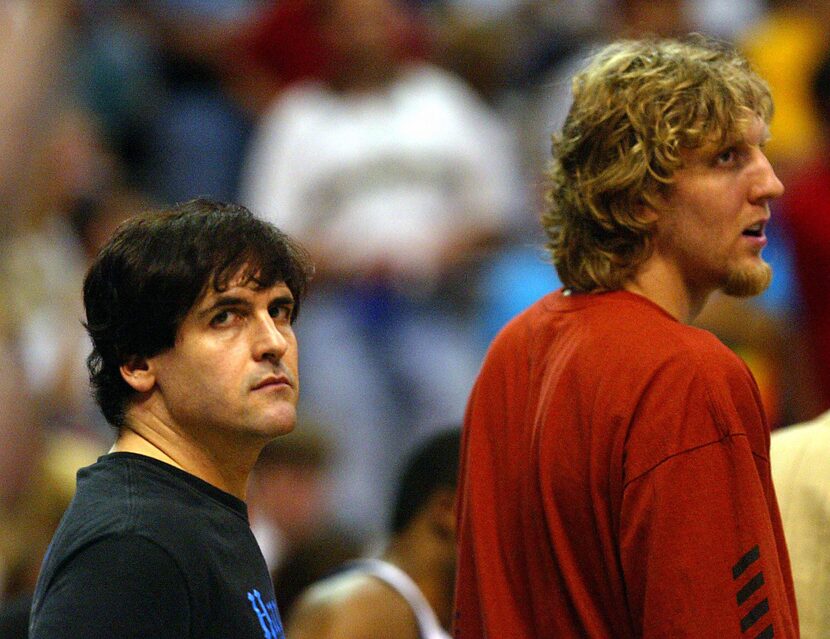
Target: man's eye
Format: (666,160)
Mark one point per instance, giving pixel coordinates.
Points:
(281,312)
(222,318)
(727,157)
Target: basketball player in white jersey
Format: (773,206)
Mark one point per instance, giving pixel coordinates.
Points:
(407,592)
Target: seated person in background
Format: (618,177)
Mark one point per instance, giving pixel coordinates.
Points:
(799,457)
(292,518)
(407,593)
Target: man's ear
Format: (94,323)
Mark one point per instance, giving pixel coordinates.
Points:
(648,212)
(139,373)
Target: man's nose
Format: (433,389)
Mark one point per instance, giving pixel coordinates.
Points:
(268,340)
(767,185)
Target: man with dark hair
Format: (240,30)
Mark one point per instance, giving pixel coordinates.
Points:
(194,363)
(407,594)
(615,477)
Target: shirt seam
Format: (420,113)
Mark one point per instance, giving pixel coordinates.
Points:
(685,452)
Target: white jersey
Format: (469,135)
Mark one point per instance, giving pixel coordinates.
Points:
(428,625)
(389,176)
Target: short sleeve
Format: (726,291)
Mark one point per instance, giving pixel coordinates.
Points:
(123,586)
(699,548)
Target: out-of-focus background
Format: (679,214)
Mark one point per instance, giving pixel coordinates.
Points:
(403,142)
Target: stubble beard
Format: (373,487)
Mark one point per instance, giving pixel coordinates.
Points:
(748,281)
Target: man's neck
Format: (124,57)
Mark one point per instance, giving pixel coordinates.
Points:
(145,435)
(658,282)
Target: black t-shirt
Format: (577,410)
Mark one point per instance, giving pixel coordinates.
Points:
(148,550)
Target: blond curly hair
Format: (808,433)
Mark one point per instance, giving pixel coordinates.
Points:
(635,106)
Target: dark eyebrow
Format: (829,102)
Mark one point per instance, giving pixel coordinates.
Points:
(282,300)
(226,301)
(234,301)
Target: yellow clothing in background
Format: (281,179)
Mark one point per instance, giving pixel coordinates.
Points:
(785,47)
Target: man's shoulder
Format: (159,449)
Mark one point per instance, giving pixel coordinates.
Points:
(615,320)
(622,344)
(352,604)
(131,494)
(130,509)
(110,584)
(139,485)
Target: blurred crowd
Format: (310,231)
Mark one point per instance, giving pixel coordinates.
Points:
(404,143)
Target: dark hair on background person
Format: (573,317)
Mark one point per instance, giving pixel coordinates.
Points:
(157,265)
(431,467)
(820,89)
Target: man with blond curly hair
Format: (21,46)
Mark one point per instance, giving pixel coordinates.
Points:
(615,476)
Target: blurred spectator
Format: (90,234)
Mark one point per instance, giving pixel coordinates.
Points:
(37,479)
(36,465)
(43,380)
(68,165)
(75,197)
(283,44)
(34,34)
(288,495)
(168,80)
(407,593)
(53,339)
(785,45)
(199,133)
(799,457)
(774,349)
(806,213)
(199,136)
(291,513)
(395,175)
(548,103)
(280,46)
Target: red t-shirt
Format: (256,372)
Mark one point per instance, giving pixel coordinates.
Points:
(615,482)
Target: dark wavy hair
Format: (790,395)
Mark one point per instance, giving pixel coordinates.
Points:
(154,269)
(636,105)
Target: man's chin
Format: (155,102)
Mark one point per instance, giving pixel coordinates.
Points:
(281,421)
(748,281)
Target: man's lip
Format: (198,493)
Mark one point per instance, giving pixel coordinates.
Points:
(757,241)
(760,233)
(760,241)
(272,381)
(763,221)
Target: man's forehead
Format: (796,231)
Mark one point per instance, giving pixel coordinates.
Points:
(754,132)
